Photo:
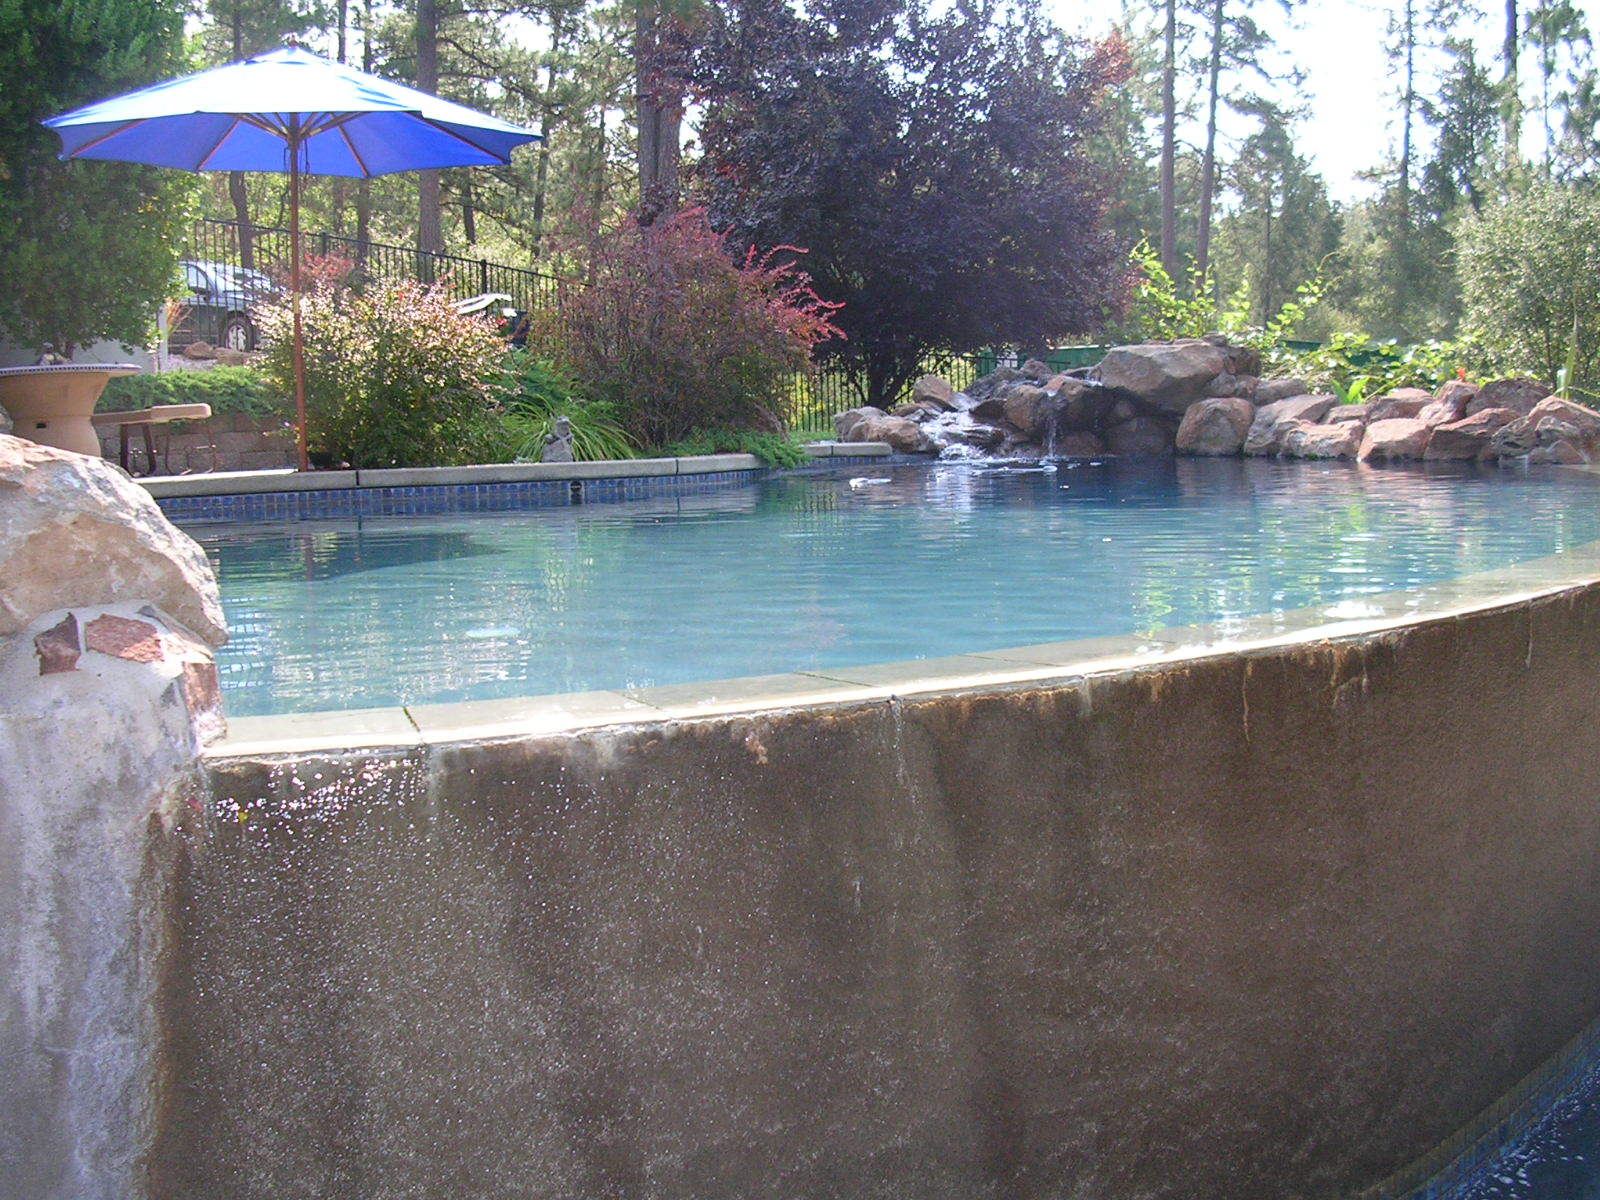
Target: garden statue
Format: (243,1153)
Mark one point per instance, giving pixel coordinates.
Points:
(558,443)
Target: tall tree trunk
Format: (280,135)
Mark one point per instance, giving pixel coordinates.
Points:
(237,191)
(364,187)
(1512,118)
(1410,105)
(1208,164)
(430,232)
(660,114)
(469,212)
(1169,143)
(547,115)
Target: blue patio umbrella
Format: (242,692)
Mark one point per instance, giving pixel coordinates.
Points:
(290,112)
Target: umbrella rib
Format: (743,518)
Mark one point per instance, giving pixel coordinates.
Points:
(107,136)
(354,153)
(205,159)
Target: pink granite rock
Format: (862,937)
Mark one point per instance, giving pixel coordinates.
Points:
(1395,438)
(1402,402)
(1468,439)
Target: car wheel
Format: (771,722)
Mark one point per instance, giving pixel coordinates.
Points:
(238,333)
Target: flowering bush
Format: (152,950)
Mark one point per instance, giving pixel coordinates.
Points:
(395,377)
(676,334)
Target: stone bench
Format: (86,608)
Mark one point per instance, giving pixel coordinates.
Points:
(146,419)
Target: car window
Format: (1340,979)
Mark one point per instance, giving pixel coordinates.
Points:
(195,277)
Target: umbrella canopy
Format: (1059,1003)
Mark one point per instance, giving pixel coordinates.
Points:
(287,111)
(245,117)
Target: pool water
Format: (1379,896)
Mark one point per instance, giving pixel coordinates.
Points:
(1557,1159)
(810,571)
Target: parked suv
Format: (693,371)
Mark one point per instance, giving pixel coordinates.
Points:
(216,305)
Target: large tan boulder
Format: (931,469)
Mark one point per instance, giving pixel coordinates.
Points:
(1216,426)
(932,390)
(1395,438)
(1265,436)
(1305,439)
(903,435)
(75,531)
(1168,376)
(844,423)
(1027,407)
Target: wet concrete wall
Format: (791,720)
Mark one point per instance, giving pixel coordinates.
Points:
(1268,925)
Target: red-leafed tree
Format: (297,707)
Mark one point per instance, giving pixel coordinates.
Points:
(930,158)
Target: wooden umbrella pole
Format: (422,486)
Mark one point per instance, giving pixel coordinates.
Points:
(294,293)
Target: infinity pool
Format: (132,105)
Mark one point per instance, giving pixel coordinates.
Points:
(811,571)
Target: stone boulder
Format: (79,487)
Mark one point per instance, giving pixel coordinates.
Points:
(934,391)
(200,351)
(1230,385)
(1270,391)
(1141,435)
(903,435)
(845,422)
(1468,439)
(1263,437)
(1341,414)
(1027,407)
(75,531)
(1167,376)
(1555,430)
(1216,426)
(1394,438)
(1078,445)
(1306,439)
(1402,403)
(990,408)
(1520,394)
(1458,393)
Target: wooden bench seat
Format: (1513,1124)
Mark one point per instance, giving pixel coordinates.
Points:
(147,419)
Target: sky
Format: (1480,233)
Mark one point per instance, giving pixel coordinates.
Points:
(1353,122)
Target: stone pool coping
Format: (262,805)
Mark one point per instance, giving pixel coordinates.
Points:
(417,727)
(288,480)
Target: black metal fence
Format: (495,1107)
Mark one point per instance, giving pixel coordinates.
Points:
(266,249)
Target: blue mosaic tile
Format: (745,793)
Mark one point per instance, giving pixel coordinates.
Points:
(440,499)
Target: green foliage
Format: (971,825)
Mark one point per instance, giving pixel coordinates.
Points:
(394,376)
(226,389)
(674,334)
(1162,311)
(537,393)
(87,249)
(1356,368)
(1529,267)
(771,448)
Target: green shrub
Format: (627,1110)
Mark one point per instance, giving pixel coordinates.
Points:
(226,389)
(395,377)
(771,448)
(538,392)
(1530,277)
(676,334)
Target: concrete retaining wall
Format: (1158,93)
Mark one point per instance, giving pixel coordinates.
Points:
(1267,924)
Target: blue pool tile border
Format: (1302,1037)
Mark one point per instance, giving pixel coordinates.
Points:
(447,498)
